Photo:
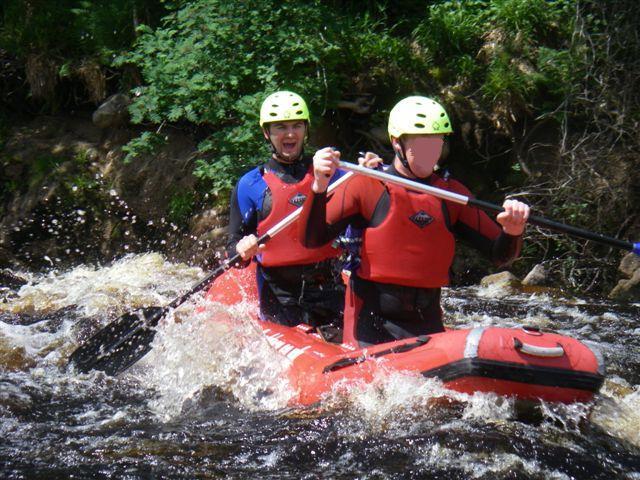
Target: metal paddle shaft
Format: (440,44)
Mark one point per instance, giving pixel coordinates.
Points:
(464,200)
(127,339)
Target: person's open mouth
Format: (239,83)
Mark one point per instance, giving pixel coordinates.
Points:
(289,147)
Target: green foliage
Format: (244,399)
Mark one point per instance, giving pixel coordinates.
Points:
(210,54)
(147,143)
(72,28)
(512,50)
(42,167)
(373,57)
(181,206)
(560,72)
(453,29)
(212,63)
(4,127)
(527,17)
(505,80)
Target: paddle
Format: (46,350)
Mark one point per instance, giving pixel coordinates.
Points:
(126,340)
(463,200)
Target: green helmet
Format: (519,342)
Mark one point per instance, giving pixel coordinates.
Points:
(283,106)
(418,115)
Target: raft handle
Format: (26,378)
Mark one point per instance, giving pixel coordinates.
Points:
(538,351)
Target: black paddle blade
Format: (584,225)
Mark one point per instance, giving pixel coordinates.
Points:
(120,344)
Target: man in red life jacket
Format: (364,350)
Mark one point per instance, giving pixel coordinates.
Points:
(408,238)
(296,284)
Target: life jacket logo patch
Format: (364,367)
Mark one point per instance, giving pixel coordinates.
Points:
(421,218)
(297,200)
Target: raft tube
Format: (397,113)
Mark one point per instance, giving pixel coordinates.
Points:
(524,363)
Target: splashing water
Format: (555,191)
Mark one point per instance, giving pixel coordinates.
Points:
(233,355)
(133,281)
(212,396)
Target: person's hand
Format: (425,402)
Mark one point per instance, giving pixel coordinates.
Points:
(248,246)
(325,162)
(370,160)
(514,218)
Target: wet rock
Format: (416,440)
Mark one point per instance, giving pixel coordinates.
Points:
(49,322)
(503,280)
(125,207)
(209,400)
(11,281)
(536,277)
(207,220)
(113,112)
(14,358)
(628,289)
(629,264)
(215,236)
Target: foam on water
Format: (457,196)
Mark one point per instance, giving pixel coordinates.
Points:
(618,412)
(212,345)
(485,465)
(133,281)
(391,399)
(202,345)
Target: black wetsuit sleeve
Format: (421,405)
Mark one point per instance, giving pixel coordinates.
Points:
(506,248)
(314,229)
(238,228)
(501,250)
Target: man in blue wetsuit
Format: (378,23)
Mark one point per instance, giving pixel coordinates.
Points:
(296,284)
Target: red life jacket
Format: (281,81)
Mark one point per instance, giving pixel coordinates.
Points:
(285,248)
(413,245)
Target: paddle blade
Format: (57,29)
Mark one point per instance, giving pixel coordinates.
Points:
(120,344)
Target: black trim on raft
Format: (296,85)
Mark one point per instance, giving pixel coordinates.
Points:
(515,372)
(405,347)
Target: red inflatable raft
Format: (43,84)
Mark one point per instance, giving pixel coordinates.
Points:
(523,363)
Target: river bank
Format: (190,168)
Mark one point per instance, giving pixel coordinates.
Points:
(68,198)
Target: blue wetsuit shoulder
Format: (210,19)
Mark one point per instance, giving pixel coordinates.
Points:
(250,193)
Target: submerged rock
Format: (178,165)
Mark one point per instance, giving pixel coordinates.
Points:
(11,281)
(14,358)
(503,280)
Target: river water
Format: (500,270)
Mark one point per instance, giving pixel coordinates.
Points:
(211,402)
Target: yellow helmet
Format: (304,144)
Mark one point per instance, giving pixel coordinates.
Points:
(283,106)
(418,115)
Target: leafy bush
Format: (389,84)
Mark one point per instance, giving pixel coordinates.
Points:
(72,28)
(146,143)
(63,49)
(181,206)
(453,29)
(512,50)
(212,63)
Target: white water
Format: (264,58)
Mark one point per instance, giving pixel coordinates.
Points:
(192,353)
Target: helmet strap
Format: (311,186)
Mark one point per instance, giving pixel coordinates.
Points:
(401,154)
